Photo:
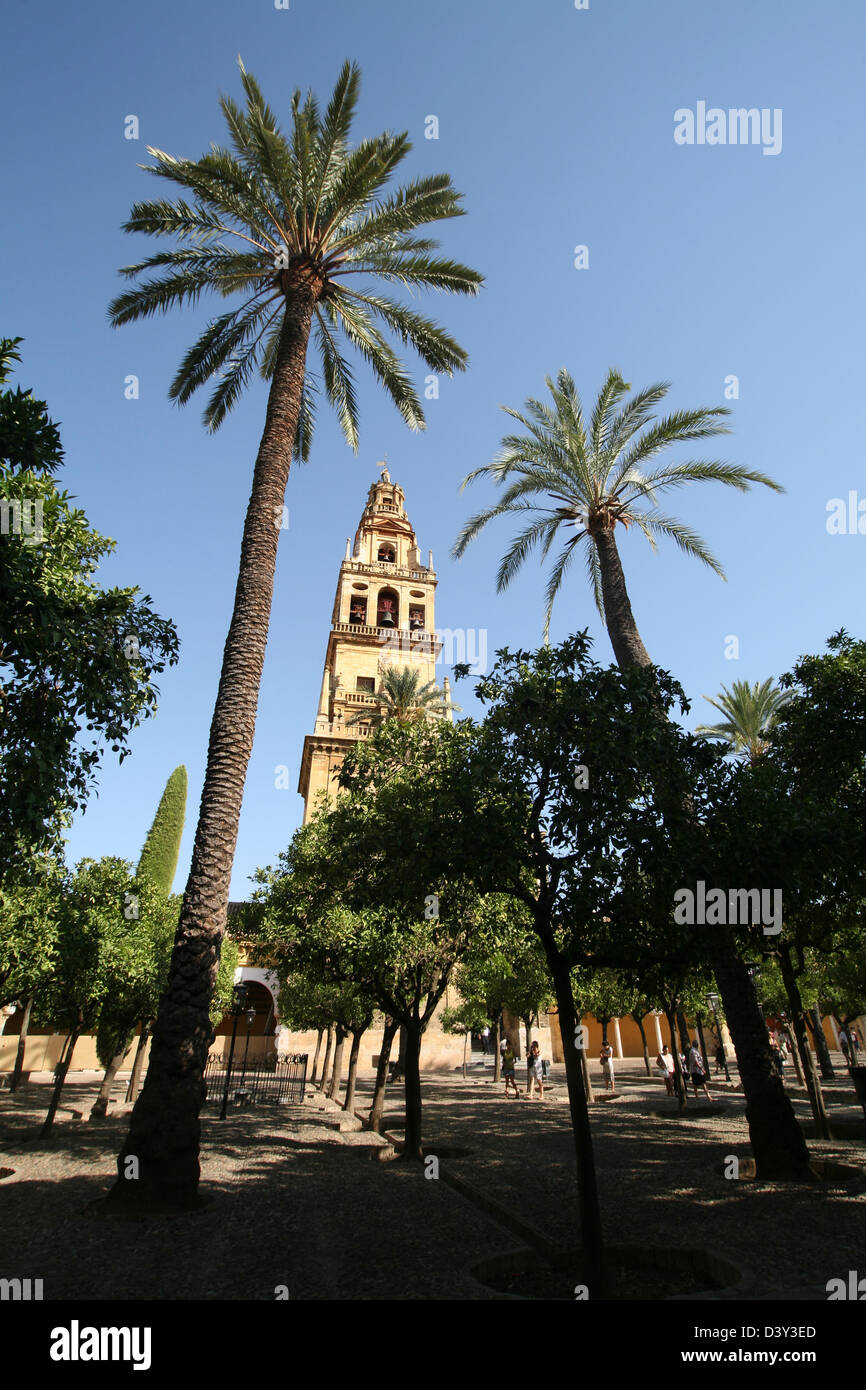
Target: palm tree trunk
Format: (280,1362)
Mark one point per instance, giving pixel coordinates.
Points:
(777,1140)
(628,648)
(17,1070)
(165,1129)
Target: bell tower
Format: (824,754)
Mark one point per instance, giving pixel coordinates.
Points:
(383,615)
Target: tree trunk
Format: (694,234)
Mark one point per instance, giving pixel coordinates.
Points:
(795,1004)
(165,1129)
(400,1069)
(465,1045)
(374,1119)
(59,1078)
(17,1070)
(357,1035)
(527,1022)
(337,1072)
(794,1054)
(327,1057)
(319,1037)
(412,1151)
(625,639)
(497,1053)
(813,1019)
(682,1093)
(777,1140)
(100,1105)
(646,1056)
(138,1063)
(587,1079)
(685,1038)
(590,1214)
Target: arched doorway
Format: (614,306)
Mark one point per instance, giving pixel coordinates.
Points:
(260,1029)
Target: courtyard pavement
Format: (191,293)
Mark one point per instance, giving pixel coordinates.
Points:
(297,1203)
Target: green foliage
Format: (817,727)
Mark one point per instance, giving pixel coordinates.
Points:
(511,973)
(70,680)
(603,993)
(278,209)
(402,696)
(29,441)
(222,995)
(29,927)
(566,474)
(364,894)
(751,711)
(134,962)
(158,860)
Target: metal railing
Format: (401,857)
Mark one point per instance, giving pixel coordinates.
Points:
(271,1080)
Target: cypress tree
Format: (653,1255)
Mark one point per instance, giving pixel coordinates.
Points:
(158,860)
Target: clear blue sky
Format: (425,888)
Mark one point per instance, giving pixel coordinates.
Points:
(557,124)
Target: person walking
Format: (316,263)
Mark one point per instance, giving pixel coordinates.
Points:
(666,1065)
(845,1046)
(606,1059)
(485,1040)
(508,1069)
(695,1068)
(534,1072)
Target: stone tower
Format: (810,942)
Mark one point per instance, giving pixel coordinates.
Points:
(383,615)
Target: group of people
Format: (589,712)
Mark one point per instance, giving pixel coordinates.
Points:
(850,1045)
(692,1065)
(534,1070)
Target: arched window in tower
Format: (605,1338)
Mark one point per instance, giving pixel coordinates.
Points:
(416,617)
(358,611)
(387,553)
(388,608)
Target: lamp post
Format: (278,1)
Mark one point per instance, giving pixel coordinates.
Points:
(712,1001)
(251,1014)
(239,999)
(754,970)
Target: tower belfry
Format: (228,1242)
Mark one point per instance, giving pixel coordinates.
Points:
(383,615)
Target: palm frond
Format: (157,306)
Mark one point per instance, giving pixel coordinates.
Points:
(385,364)
(554,583)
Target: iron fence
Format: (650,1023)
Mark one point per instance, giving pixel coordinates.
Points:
(270,1080)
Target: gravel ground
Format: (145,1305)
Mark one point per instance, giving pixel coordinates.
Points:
(300,1205)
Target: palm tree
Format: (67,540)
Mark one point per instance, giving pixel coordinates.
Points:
(403,697)
(566,474)
(751,711)
(568,477)
(299,228)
